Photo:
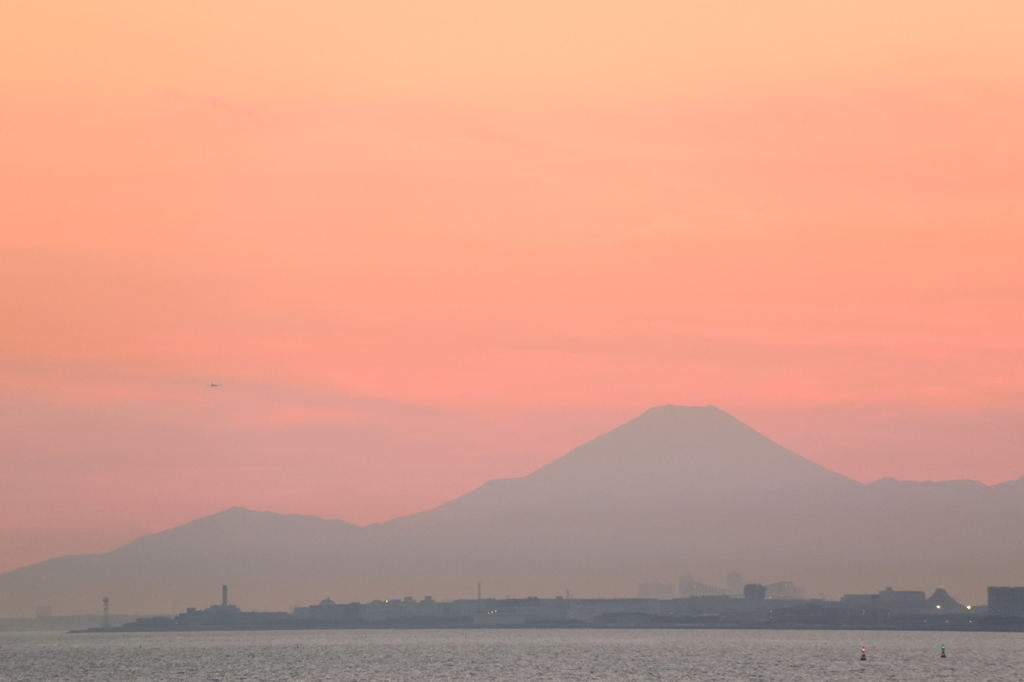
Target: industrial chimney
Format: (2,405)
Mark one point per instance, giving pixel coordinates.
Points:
(223,595)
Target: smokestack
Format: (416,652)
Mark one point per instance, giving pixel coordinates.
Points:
(223,595)
(106,612)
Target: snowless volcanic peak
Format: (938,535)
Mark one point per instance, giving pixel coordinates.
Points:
(692,445)
(675,489)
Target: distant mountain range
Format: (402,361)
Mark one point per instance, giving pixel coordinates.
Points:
(678,490)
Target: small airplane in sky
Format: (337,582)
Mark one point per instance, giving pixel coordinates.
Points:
(213,385)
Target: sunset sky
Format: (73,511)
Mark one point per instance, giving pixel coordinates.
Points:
(426,244)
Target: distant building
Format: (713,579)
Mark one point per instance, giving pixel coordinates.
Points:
(688,587)
(654,591)
(784,590)
(1006,601)
(754,592)
(859,599)
(902,600)
(942,601)
(895,601)
(734,583)
(328,610)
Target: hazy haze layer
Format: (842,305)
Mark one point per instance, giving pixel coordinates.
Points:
(423,245)
(676,491)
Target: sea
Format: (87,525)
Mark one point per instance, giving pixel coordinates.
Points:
(515,654)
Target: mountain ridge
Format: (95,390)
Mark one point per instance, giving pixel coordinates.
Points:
(676,490)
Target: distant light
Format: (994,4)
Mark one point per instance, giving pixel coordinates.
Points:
(938,606)
(969,607)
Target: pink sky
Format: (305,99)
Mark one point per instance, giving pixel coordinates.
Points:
(427,244)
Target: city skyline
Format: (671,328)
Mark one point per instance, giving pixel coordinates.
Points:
(753,608)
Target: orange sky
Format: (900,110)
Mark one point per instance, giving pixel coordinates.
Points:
(424,244)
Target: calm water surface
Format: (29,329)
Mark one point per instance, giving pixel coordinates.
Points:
(792,656)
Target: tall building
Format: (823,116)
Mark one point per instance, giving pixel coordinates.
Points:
(1006,601)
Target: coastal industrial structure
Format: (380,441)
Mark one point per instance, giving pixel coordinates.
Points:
(1006,601)
(886,609)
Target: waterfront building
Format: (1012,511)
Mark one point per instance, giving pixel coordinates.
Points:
(1006,601)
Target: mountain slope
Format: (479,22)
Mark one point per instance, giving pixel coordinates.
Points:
(666,453)
(678,490)
(264,555)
